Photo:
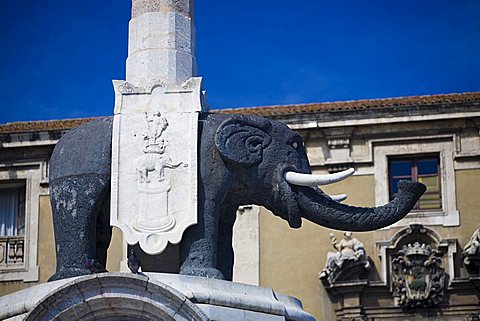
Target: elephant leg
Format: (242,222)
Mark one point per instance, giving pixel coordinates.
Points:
(199,244)
(104,231)
(76,202)
(225,254)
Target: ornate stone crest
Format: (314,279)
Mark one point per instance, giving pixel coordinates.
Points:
(154,157)
(418,280)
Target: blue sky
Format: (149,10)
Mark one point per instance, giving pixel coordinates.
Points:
(57,58)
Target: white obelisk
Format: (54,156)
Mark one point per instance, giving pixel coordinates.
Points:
(154,149)
(161,43)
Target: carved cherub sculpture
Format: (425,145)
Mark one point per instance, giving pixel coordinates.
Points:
(474,244)
(348,248)
(156,125)
(155,158)
(471,254)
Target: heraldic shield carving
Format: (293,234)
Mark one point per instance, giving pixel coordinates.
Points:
(418,280)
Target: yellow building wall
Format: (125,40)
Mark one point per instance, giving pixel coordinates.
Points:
(468,196)
(46,241)
(291,259)
(115,251)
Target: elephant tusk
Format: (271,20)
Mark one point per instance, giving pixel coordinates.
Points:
(338,198)
(315,180)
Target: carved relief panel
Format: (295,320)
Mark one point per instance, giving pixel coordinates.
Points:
(154,162)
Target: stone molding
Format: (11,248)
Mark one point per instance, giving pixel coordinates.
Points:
(461,128)
(339,147)
(448,215)
(325,117)
(246,245)
(360,152)
(150,296)
(31,174)
(115,296)
(426,104)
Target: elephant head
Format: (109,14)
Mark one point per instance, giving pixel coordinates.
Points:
(253,160)
(270,160)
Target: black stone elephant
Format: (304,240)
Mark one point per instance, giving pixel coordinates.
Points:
(242,160)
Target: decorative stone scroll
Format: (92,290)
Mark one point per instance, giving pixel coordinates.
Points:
(154,162)
(418,280)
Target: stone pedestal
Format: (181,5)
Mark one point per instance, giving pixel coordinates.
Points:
(152,197)
(151,296)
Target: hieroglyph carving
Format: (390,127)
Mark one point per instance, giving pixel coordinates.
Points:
(418,280)
(154,156)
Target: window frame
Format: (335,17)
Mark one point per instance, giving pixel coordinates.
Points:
(448,215)
(415,176)
(19,186)
(31,175)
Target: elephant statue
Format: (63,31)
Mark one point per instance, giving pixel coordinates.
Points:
(242,160)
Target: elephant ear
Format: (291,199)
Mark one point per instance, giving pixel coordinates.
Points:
(241,139)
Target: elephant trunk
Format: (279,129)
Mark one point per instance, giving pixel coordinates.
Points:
(322,210)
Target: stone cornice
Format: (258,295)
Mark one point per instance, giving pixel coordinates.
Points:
(342,113)
(390,104)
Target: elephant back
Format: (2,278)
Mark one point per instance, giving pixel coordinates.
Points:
(83,150)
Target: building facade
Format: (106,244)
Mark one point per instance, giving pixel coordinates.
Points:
(424,266)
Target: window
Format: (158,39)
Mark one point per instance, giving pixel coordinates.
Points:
(429,161)
(425,170)
(12,223)
(20,189)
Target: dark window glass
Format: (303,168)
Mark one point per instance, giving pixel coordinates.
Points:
(427,166)
(401,168)
(425,170)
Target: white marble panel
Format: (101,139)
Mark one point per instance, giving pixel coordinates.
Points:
(154,162)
